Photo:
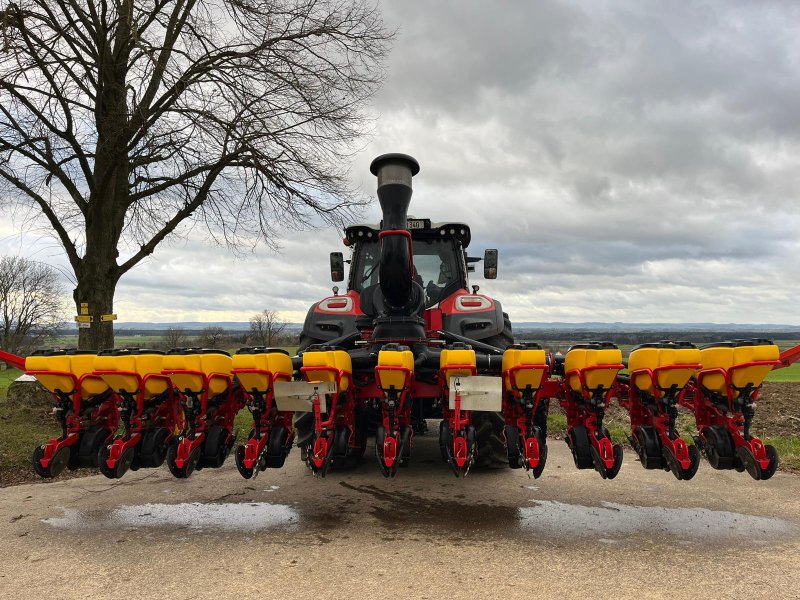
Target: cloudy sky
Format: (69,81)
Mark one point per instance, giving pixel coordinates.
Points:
(632,161)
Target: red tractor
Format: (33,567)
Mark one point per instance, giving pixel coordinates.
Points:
(408,291)
(408,340)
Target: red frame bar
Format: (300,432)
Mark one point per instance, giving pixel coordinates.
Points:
(255,446)
(788,357)
(73,421)
(18,362)
(530,445)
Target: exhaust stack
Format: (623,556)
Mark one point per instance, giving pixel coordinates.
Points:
(394,173)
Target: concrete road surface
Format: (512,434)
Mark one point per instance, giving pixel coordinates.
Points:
(425,534)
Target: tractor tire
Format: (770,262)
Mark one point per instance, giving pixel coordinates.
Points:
(306,341)
(304,421)
(503,339)
(491,452)
(89,446)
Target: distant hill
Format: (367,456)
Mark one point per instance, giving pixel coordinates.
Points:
(634,327)
(522,326)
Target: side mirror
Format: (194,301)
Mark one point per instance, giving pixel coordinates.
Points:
(337,266)
(490,264)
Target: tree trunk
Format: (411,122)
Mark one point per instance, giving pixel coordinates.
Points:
(99,271)
(96,288)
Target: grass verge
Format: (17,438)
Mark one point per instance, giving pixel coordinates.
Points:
(791,373)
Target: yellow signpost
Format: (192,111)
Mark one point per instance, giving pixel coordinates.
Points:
(108,317)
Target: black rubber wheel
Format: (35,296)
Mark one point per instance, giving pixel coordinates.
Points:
(694,456)
(513,446)
(537,472)
(503,339)
(277,448)
(404,454)
(303,431)
(718,447)
(772,455)
(614,471)
(215,447)
(380,438)
(490,451)
(749,462)
(90,443)
(361,434)
(445,440)
(649,447)
(578,441)
(188,468)
(243,470)
(56,466)
(154,447)
(306,341)
(120,467)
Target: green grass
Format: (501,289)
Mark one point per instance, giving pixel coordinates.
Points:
(788,448)
(6,377)
(791,373)
(23,428)
(558,423)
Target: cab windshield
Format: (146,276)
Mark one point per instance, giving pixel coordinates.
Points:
(434,264)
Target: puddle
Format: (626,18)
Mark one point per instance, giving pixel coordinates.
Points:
(251,516)
(559,519)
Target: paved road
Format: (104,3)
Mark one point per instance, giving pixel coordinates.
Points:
(424,534)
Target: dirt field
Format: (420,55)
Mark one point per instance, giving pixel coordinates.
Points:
(778,413)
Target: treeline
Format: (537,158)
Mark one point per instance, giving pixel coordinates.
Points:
(643,337)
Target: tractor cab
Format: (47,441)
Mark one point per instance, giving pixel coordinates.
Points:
(439,255)
(440,272)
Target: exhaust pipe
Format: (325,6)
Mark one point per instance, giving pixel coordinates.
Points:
(394,173)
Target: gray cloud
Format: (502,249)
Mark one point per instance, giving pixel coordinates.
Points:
(633,161)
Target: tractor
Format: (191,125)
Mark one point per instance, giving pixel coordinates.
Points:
(407,341)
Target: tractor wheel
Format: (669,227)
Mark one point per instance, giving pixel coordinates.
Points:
(719,447)
(578,441)
(503,339)
(648,447)
(120,467)
(491,448)
(88,447)
(362,431)
(215,447)
(188,468)
(244,471)
(772,455)
(306,341)
(276,448)
(514,447)
(303,431)
(154,447)
(57,464)
(445,440)
(304,421)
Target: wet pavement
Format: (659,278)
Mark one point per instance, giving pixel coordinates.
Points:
(423,534)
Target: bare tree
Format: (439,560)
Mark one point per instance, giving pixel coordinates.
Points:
(31,304)
(266,328)
(174,337)
(212,337)
(121,120)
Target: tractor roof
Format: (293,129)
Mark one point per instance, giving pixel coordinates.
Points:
(419,228)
